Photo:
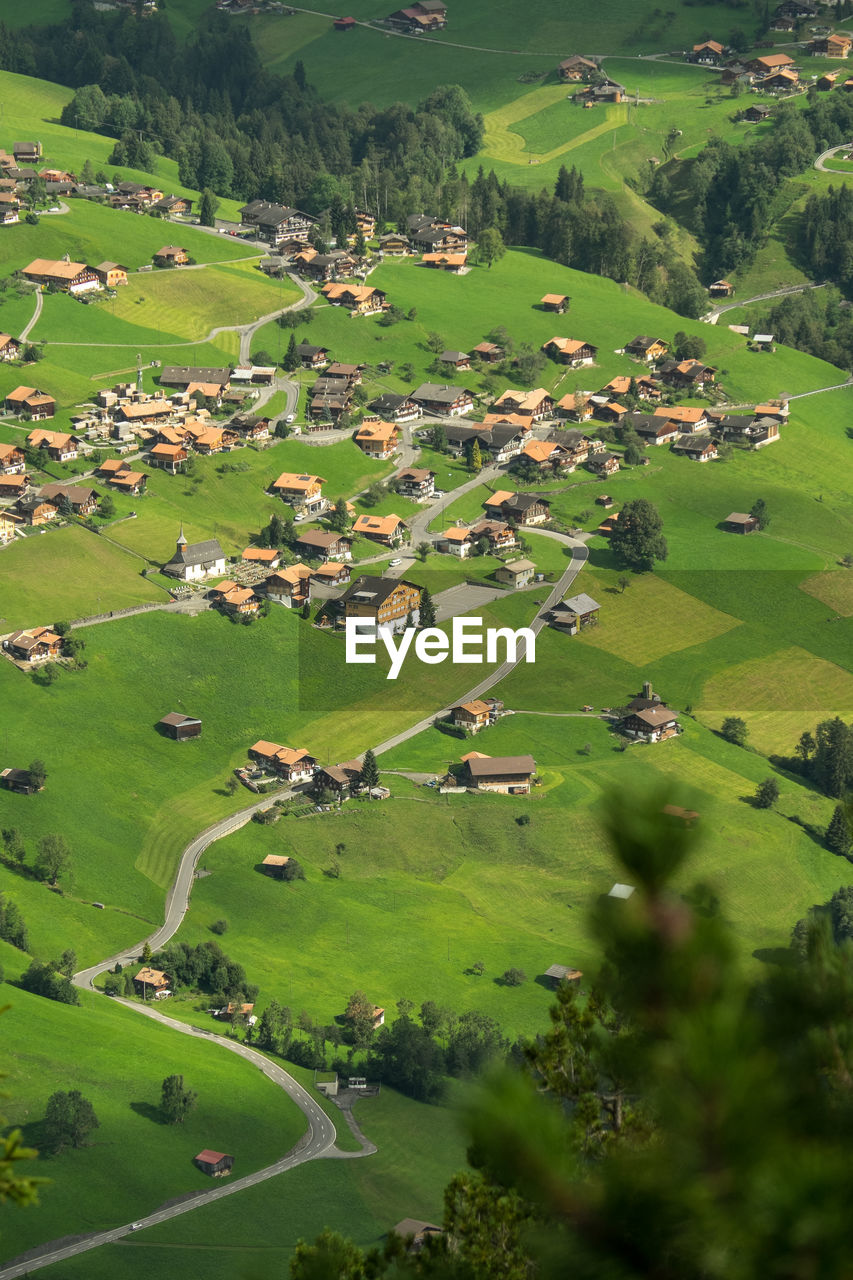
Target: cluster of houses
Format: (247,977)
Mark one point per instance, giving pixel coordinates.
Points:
(777,72)
(78,278)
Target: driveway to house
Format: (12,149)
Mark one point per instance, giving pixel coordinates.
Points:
(25,333)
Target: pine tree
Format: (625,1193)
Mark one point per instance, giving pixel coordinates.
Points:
(176,1101)
(427,609)
(207,208)
(476,458)
(838,837)
(369,771)
(291,358)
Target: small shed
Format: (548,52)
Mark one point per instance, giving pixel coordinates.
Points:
(740,522)
(274,865)
(20,780)
(562,973)
(178,726)
(214,1163)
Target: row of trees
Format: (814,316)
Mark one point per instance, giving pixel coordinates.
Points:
(70,1118)
(53,856)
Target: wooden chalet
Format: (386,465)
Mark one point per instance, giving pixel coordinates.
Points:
(740,522)
(214,1163)
(697,448)
(531,405)
(574,352)
(303,492)
(387,602)
(389,530)
(522,508)
(290,586)
(576,68)
(710,53)
(152,984)
(516,573)
(311,357)
(559,973)
(439,398)
(415,482)
(38,644)
(392,407)
(179,726)
(475,715)
(603,464)
(69,277)
(651,724)
(575,614)
(645,348)
(559,303)
(10,348)
(488,352)
(324,545)
(362,300)
(292,765)
(721,288)
(82,499)
(574,406)
(459,360)
(13,460)
(168,457)
(20,781)
(171,255)
(378,439)
(506,775)
(34,405)
(111,274)
(34,510)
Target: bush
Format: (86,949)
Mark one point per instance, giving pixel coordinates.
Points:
(219,927)
(513,977)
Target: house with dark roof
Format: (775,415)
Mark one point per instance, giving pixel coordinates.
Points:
(179,726)
(506,775)
(196,560)
(434,397)
(522,508)
(395,408)
(387,602)
(575,614)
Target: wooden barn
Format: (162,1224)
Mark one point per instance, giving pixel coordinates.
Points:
(214,1163)
(178,726)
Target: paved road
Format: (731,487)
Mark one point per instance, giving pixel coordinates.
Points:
(712,316)
(25,333)
(820,163)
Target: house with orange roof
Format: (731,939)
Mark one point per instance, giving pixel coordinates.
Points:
(362,300)
(38,644)
(13,486)
(12,460)
(169,457)
(61,446)
(31,403)
(769,63)
(453,262)
(688,417)
(132,482)
(210,441)
(389,530)
(548,455)
(10,348)
(302,491)
(474,715)
(293,765)
(378,439)
(235,599)
(171,255)
(70,277)
(269,557)
(575,406)
(458,541)
(290,587)
(533,405)
(557,302)
(332,573)
(143,412)
(836,45)
(710,53)
(575,352)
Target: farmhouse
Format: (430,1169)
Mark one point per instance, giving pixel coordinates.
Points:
(174,205)
(740,522)
(275,865)
(214,1163)
(575,406)
(836,45)
(18,780)
(722,288)
(576,613)
(291,765)
(424,15)
(303,492)
(387,602)
(311,357)
(453,262)
(180,727)
(415,482)
(687,373)
(132,482)
(439,238)
(12,460)
(708,54)
(507,775)
(10,348)
(434,397)
(516,573)
(8,527)
(653,428)
(547,455)
(70,277)
(169,457)
(185,377)
(332,573)
(362,300)
(13,486)
(651,724)
(571,351)
(458,541)
(767,64)
(38,644)
(646,348)
(561,973)
(171,255)
(111,274)
(523,508)
(698,449)
(784,81)
(501,439)
(394,244)
(604,464)
(532,405)
(395,408)
(475,715)
(488,352)
(378,439)
(276,223)
(324,544)
(82,499)
(231,598)
(577,68)
(196,560)
(152,983)
(459,360)
(58,445)
(30,403)
(35,511)
(689,417)
(290,587)
(388,530)
(342,778)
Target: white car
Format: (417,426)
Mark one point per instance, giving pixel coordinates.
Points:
(392,564)
(291,417)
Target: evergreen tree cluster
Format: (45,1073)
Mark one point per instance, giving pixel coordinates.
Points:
(205,967)
(12,926)
(827,756)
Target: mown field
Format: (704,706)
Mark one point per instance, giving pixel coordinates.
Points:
(118,1061)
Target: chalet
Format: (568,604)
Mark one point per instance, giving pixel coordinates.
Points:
(611,411)
(387,602)
(38,644)
(311,357)
(291,765)
(132,482)
(836,45)
(796,9)
(606,91)
(58,445)
(645,348)
(325,266)
(214,1163)
(257,374)
(653,428)
(171,255)
(303,492)
(455,360)
(395,408)
(708,54)
(577,68)
(575,614)
(8,527)
(389,530)
(195,560)
(473,716)
(378,439)
(26,152)
(722,288)
(516,573)
(80,498)
(499,439)
(19,780)
(440,238)
(559,973)
(395,245)
(488,352)
(698,449)
(276,223)
(458,541)
(423,16)
(144,412)
(152,983)
(556,302)
(30,403)
(577,445)
(333,573)
(290,587)
(687,373)
(547,455)
(826,82)
(533,405)
(362,300)
(452,262)
(603,464)
(507,775)
(111,274)
(439,398)
(13,486)
(324,545)
(365,223)
(180,727)
(740,522)
(651,724)
(689,417)
(571,351)
(782,23)
(575,406)
(10,348)
(174,206)
(785,80)
(186,377)
(250,426)
(775,409)
(522,508)
(770,63)
(12,460)
(169,457)
(327,406)
(71,277)
(351,374)
(415,482)
(266,557)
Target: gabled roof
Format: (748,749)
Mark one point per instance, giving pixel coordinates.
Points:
(497,766)
(377,524)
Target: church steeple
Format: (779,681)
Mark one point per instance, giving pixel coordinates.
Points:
(182,542)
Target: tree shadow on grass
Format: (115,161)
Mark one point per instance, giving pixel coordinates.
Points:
(782,957)
(148,1112)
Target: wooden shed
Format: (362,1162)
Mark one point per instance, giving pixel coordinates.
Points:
(214,1163)
(178,726)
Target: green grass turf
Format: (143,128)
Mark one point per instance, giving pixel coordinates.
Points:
(254,1234)
(118,1061)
